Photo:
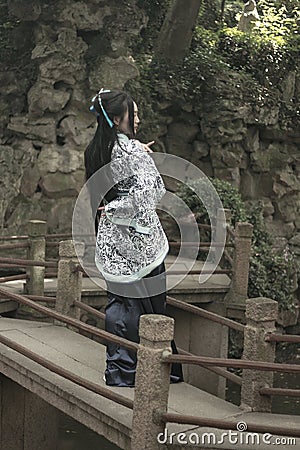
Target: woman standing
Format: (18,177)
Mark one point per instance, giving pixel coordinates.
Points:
(131,244)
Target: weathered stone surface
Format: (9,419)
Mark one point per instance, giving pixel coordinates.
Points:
(112,73)
(285,182)
(288,88)
(61,184)
(77,129)
(55,158)
(42,128)
(251,142)
(200,149)
(42,98)
(279,134)
(261,309)
(289,207)
(84,15)
(62,60)
(29,181)
(25,10)
(231,174)
(179,138)
(183,131)
(254,186)
(59,215)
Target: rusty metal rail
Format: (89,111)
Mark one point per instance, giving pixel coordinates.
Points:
(116,397)
(13,238)
(206,314)
(105,335)
(12,246)
(277,337)
(27,262)
(13,278)
(230,362)
(280,392)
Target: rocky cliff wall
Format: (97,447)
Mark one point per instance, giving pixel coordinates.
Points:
(76,47)
(73,48)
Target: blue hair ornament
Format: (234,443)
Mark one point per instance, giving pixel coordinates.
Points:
(92,108)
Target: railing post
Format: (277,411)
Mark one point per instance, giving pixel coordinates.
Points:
(218,230)
(152,380)
(261,314)
(37,250)
(239,284)
(69,280)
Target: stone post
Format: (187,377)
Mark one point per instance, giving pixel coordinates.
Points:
(152,380)
(69,280)
(37,250)
(261,314)
(239,284)
(218,231)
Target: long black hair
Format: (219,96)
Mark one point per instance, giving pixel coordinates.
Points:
(98,152)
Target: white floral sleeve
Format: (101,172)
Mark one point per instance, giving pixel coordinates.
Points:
(134,171)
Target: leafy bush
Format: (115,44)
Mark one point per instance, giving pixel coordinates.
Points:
(263,58)
(271,271)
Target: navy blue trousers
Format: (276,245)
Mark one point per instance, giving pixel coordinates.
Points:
(122,318)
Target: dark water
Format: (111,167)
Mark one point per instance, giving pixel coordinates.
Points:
(280,404)
(75,436)
(288,354)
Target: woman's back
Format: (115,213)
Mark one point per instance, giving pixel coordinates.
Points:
(130,239)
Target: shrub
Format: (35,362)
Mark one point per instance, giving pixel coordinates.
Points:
(271,271)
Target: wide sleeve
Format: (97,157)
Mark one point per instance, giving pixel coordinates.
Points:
(134,170)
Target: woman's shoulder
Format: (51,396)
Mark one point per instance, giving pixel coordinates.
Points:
(123,147)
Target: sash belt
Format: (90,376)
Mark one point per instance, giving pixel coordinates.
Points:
(128,222)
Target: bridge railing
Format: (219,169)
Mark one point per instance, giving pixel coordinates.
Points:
(154,356)
(69,273)
(154,359)
(259,339)
(236,252)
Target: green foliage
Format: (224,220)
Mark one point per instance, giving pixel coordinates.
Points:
(263,58)
(279,22)
(252,64)
(271,271)
(209,14)
(7,24)
(271,48)
(16,44)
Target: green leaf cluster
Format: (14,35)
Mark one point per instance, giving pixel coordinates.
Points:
(272,270)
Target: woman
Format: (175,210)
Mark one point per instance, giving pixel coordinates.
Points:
(131,244)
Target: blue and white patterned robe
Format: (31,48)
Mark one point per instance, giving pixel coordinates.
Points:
(131,241)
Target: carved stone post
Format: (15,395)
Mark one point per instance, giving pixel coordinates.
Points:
(69,280)
(37,251)
(261,314)
(239,283)
(152,380)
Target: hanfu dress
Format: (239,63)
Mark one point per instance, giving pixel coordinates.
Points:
(131,246)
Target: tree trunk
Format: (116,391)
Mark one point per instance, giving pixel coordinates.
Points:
(175,35)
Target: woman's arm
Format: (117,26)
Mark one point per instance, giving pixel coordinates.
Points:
(133,169)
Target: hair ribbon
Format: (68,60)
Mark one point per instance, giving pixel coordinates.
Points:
(92,108)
